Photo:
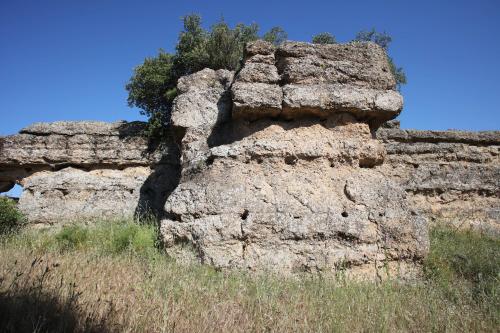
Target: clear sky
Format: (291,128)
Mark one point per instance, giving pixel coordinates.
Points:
(70,60)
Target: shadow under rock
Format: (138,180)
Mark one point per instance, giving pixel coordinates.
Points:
(163,180)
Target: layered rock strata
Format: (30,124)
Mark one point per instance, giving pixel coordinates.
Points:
(275,167)
(294,187)
(301,79)
(80,170)
(450,176)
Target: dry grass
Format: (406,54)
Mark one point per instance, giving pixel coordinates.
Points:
(112,278)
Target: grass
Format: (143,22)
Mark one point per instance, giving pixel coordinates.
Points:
(112,278)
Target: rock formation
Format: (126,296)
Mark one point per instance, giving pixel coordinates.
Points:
(290,183)
(451,177)
(277,167)
(79,170)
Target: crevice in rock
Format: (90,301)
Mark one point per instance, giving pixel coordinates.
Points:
(244,215)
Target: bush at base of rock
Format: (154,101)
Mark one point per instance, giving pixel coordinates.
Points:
(10,217)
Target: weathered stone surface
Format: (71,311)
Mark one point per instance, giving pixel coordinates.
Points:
(295,196)
(72,194)
(315,80)
(256,100)
(321,100)
(81,170)
(358,64)
(289,196)
(67,143)
(203,103)
(259,72)
(280,168)
(259,47)
(451,177)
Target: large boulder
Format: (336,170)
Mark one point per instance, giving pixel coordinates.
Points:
(292,181)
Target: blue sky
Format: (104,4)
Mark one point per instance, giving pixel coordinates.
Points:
(70,60)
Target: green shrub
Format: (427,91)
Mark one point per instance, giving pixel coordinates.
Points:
(323,38)
(10,217)
(464,257)
(152,87)
(72,237)
(106,237)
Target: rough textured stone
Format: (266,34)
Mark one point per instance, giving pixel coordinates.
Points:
(295,196)
(256,100)
(203,104)
(358,64)
(315,80)
(259,47)
(292,196)
(76,195)
(277,168)
(321,100)
(64,143)
(80,170)
(451,177)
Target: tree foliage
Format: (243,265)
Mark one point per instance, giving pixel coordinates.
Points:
(384,40)
(10,217)
(275,36)
(152,87)
(324,38)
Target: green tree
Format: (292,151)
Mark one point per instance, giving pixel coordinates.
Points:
(152,87)
(384,40)
(191,52)
(275,36)
(225,45)
(324,38)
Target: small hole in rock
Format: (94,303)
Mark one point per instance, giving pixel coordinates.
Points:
(291,160)
(210,160)
(244,215)
(344,214)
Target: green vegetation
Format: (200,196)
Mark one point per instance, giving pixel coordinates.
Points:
(384,40)
(323,38)
(276,36)
(10,217)
(152,87)
(104,238)
(468,257)
(112,277)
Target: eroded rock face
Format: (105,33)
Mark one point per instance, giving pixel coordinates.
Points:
(301,80)
(292,184)
(450,176)
(87,170)
(206,90)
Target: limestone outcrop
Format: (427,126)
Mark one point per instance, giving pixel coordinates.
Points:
(278,167)
(450,176)
(293,187)
(86,170)
(301,80)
